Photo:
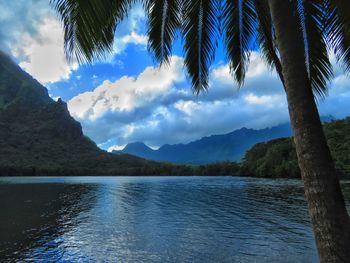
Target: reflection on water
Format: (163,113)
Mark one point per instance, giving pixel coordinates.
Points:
(34,216)
(158,219)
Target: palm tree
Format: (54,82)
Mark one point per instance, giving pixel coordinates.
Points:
(295,38)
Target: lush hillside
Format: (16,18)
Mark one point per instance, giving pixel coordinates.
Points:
(215,148)
(38,135)
(277,158)
(18,87)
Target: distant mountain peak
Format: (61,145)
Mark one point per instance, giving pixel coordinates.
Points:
(136,144)
(136,147)
(225,147)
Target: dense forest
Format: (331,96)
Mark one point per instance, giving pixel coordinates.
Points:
(277,158)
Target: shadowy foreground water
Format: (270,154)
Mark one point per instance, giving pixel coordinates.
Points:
(155,219)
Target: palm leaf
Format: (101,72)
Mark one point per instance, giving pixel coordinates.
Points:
(316,53)
(163,23)
(200,30)
(337,29)
(89,26)
(239,24)
(266,38)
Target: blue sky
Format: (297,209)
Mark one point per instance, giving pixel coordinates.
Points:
(127,97)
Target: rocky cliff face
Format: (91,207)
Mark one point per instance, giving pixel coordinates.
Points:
(39,136)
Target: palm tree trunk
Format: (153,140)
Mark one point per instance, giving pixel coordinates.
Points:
(326,204)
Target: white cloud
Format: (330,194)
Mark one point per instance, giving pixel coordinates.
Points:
(256,68)
(127,93)
(131,30)
(115,148)
(31,32)
(43,54)
(158,106)
(18,17)
(265,100)
(133,38)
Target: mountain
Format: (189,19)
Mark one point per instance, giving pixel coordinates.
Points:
(215,148)
(277,158)
(138,149)
(39,137)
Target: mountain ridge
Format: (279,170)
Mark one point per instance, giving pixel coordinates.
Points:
(222,147)
(231,146)
(38,136)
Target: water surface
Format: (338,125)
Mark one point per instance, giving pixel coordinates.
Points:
(154,219)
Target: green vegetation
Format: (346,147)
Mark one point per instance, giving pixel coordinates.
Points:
(48,141)
(15,85)
(39,137)
(277,158)
(294,37)
(338,137)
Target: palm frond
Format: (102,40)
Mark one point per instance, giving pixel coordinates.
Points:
(200,31)
(266,38)
(89,26)
(163,23)
(316,53)
(239,24)
(337,30)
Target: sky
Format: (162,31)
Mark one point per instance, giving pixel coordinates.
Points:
(128,98)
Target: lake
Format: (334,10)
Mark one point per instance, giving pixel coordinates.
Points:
(155,219)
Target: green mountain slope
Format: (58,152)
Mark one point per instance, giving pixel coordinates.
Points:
(39,137)
(277,158)
(17,85)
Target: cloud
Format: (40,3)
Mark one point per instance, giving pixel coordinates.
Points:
(32,33)
(18,17)
(115,148)
(127,93)
(132,38)
(43,54)
(158,106)
(131,30)
(265,100)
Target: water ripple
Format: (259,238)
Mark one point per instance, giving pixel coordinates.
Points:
(140,219)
